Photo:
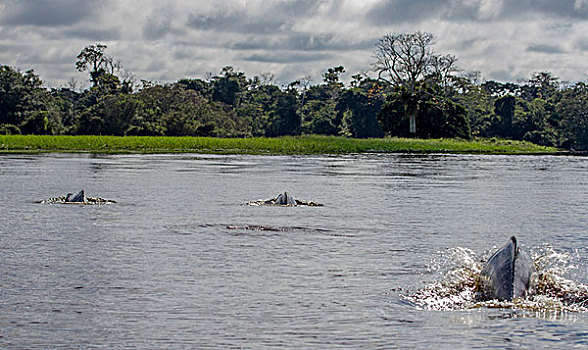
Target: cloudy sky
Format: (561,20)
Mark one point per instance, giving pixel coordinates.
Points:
(164,41)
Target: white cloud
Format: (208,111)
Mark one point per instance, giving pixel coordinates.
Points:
(504,39)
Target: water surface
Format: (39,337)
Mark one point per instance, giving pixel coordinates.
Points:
(164,267)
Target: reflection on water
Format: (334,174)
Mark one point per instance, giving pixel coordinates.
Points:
(180,262)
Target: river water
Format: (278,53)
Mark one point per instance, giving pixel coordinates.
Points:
(180,262)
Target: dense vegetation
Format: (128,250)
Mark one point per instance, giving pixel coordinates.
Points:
(310,144)
(423,97)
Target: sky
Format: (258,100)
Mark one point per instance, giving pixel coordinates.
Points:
(164,41)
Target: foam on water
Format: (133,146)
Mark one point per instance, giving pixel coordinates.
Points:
(558,288)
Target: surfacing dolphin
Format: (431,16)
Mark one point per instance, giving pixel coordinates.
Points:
(508,274)
(284,199)
(78,198)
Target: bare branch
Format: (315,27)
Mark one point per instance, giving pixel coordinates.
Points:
(403,58)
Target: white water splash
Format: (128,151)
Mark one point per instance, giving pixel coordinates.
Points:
(460,267)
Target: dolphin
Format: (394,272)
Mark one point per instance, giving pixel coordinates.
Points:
(80,197)
(285,199)
(508,274)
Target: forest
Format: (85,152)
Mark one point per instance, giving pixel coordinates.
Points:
(411,91)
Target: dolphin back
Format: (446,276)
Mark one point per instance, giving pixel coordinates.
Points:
(525,275)
(508,274)
(497,276)
(78,198)
(285,199)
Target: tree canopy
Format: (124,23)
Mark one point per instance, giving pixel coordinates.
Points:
(416,92)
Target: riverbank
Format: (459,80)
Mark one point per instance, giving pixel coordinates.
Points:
(281,145)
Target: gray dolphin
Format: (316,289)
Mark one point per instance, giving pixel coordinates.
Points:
(285,199)
(80,197)
(508,274)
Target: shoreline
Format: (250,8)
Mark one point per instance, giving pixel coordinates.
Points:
(295,145)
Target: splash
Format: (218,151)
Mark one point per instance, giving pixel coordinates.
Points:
(555,292)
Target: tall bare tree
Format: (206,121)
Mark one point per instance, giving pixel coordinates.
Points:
(403,59)
(442,69)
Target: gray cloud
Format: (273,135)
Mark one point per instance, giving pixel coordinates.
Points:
(400,11)
(156,27)
(559,8)
(286,57)
(47,12)
(89,33)
(305,42)
(271,17)
(504,39)
(234,23)
(582,44)
(545,48)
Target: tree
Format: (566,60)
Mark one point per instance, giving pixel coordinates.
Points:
(357,112)
(284,118)
(24,104)
(543,84)
(442,69)
(404,60)
(226,88)
(319,117)
(331,76)
(101,67)
(438,117)
(113,115)
(573,111)
(519,119)
(92,58)
(38,124)
(477,102)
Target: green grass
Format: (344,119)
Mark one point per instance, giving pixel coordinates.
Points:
(281,145)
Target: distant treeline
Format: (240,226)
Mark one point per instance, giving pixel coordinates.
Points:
(431,102)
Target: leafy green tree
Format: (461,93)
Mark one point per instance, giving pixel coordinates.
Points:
(19,95)
(227,87)
(477,102)
(68,105)
(498,89)
(254,108)
(284,118)
(184,112)
(319,117)
(38,123)
(113,115)
(505,108)
(438,117)
(542,85)
(516,118)
(358,114)
(101,67)
(573,112)
(24,104)
(270,111)
(332,75)
(198,85)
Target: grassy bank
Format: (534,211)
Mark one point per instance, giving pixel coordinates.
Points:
(282,145)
